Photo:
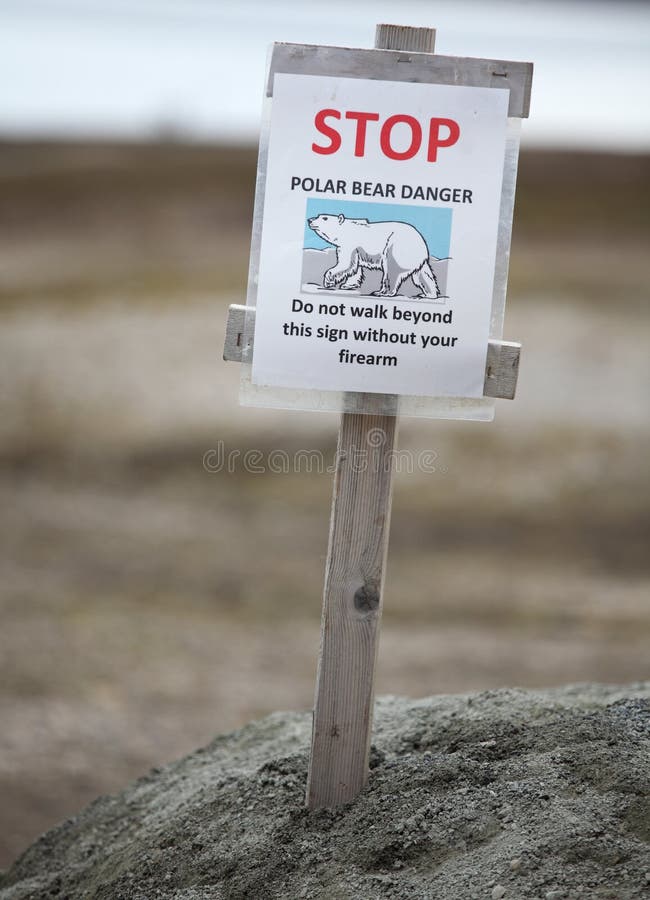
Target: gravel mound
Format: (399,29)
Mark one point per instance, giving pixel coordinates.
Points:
(504,794)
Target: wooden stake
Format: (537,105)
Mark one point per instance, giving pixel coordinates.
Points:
(354,575)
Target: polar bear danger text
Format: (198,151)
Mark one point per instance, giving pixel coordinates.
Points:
(340,187)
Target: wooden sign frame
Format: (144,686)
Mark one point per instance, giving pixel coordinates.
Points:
(413,64)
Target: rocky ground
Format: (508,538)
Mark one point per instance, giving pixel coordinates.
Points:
(504,794)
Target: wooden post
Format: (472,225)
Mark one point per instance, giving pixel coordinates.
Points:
(354,574)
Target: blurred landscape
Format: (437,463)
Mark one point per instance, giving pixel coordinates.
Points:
(147,603)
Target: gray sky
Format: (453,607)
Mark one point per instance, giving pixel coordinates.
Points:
(132,68)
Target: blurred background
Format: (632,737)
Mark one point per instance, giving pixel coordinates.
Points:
(146,603)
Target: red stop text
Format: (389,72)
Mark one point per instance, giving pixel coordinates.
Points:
(400,136)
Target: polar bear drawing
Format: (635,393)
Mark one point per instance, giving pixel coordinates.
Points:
(397,249)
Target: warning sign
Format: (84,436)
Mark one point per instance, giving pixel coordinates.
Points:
(379,236)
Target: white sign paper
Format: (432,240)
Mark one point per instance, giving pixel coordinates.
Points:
(379,236)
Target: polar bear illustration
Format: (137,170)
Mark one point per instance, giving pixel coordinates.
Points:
(397,249)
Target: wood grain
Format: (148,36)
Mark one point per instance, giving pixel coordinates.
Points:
(233,344)
(352,603)
(405,38)
(501,369)
(407,65)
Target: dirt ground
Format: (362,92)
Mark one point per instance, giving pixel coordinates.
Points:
(504,794)
(149,602)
